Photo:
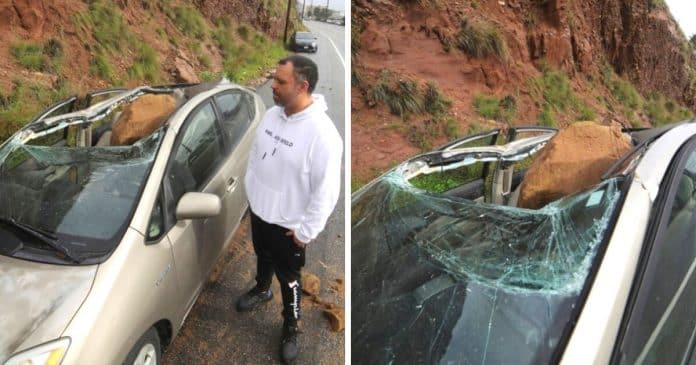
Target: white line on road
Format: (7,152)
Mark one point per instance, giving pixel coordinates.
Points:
(335,48)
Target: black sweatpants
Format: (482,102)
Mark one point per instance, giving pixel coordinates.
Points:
(276,252)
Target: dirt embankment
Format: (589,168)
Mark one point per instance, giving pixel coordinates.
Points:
(615,61)
(51,49)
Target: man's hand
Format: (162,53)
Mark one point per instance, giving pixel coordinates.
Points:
(299,243)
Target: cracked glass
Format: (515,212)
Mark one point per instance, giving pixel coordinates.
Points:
(81,196)
(440,279)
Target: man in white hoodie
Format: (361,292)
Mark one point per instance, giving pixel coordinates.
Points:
(292,182)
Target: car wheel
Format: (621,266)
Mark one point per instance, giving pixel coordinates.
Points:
(146,351)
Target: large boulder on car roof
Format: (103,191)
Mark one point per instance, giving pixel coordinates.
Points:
(573,160)
(141,117)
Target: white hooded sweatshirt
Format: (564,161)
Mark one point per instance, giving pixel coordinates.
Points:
(294,173)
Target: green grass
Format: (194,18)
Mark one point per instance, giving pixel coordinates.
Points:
(189,21)
(252,61)
(547,118)
(403,97)
(146,65)
(23,102)
(623,90)
(30,55)
(434,102)
(491,107)
(662,110)
(100,66)
(440,182)
(481,39)
(243,31)
(106,24)
(554,87)
(557,98)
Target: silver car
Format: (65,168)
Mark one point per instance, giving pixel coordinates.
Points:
(454,272)
(104,249)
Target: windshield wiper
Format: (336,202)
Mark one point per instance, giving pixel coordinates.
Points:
(49,238)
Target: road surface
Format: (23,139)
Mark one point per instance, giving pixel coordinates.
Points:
(214,333)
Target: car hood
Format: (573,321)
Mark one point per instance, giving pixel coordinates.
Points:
(38,300)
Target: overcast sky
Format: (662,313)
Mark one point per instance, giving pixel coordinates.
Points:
(339,5)
(685,13)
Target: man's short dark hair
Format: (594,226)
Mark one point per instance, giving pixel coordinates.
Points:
(304,69)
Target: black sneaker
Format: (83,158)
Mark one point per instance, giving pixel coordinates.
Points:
(288,344)
(253,299)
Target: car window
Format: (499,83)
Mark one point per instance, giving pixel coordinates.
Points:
(197,155)
(235,112)
(662,321)
(156,226)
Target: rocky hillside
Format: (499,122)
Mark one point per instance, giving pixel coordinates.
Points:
(49,49)
(425,72)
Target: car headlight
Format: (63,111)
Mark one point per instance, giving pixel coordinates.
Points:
(314,44)
(50,353)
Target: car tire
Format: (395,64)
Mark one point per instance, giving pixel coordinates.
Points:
(147,351)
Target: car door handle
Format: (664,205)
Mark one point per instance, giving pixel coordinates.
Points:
(231,184)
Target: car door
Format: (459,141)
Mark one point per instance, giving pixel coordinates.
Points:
(197,156)
(659,325)
(236,111)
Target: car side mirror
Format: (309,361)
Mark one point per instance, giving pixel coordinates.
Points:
(198,205)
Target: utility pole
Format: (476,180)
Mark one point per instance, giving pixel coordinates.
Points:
(326,15)
(287,21)
(303,6)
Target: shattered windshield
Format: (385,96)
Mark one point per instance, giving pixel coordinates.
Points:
(445,280)
(82,197)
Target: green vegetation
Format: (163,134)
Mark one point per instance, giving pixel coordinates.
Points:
(658,108)
(662,110)
(106,24)
(100,66)
(188,20)
(29,55)
(434,102)
(404,98)
(553,87)
(654,4)
(481,39)
(146,66)
(243,31)
(547,118)
(23,102)
(491,107)
(37,57)
(440,182)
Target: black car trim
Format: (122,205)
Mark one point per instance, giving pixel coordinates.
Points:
(656,228)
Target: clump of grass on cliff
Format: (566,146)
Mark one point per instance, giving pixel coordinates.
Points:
(246,52)
(481,39)
(188,20)
(659,109)
(406,98)
(662,110)
(400,95)
(557,98)
(34,56)
(492,107)
(24,101)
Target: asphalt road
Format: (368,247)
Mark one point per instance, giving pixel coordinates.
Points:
(214,333)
